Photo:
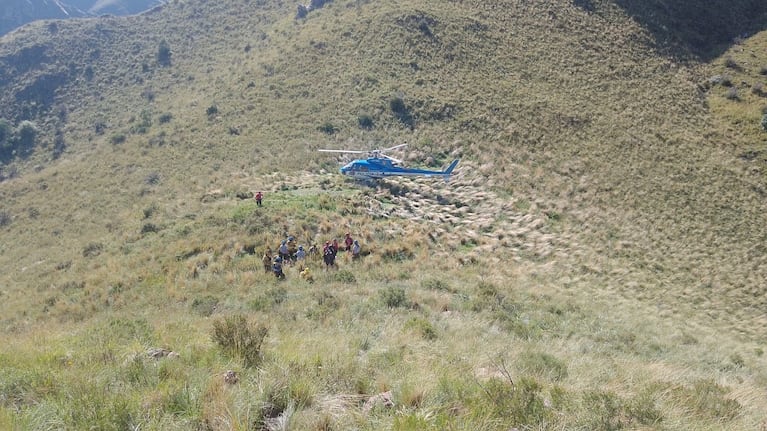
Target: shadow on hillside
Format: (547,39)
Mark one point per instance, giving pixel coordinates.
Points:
(703,29)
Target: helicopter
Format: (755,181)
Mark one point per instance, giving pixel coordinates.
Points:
(379,165)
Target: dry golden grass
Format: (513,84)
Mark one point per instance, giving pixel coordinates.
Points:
(603,238)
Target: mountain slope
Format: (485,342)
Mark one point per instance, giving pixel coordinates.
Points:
(15,13)
(603,213)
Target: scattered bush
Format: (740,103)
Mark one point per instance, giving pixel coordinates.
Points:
(764,122)
(521,400)
(205,306)
(763,70)
(93,249)
(402,112)
(165,118)
(152,178)
(436,284)
(99,127)
(149,228)
(603,411)
(732,94)
(730,63)
(365,122)
(393,297)
(118,138)
(345,276)
(212,110)
(239,338)
(19,142)
(423,327)
(144,123)
(328,128)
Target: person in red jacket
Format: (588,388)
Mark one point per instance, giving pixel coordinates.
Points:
(259,196)
(348,241)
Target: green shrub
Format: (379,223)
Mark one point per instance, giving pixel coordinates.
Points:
(239,338)
(365,122)
(603,411)
(165,118)
(327,128)
(402,112)
(423,327)
(205,306)
(393,297)
(520,401)
(345,276)
(212,110)
(436,284)
(117,138)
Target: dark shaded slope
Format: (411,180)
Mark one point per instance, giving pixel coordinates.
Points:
(704,29)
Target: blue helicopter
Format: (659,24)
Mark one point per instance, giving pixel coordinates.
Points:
(379,165)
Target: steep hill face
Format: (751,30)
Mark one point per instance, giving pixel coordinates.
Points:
(576,110)
(15,13)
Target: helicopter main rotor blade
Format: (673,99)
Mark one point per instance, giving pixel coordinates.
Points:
(396,161)
(344,151)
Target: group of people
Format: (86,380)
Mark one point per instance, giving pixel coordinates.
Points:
(330,250)
(289,253)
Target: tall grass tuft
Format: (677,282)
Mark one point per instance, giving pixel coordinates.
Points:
(240,339)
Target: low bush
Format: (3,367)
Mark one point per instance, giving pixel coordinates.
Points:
(393,297)
(423,327)
(365,122)
(205,306)
(328,128)
(117,138)
(240,339)
(345,276)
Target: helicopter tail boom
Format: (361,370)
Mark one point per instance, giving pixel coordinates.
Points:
(450,168)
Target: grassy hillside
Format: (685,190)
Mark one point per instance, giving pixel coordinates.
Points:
(597,263)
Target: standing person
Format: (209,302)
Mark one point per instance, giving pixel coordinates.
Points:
(348,241)
(282,251)
(259,196)
(277,268)
(266,259)
(356,250)
(299,256)
(329,255)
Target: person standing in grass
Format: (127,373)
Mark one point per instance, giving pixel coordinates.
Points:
(356,250)
(348,241)
(259,197)
(266,259)
(277,268)
(299,257)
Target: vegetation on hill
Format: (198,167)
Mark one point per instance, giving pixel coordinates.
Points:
(598,262)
